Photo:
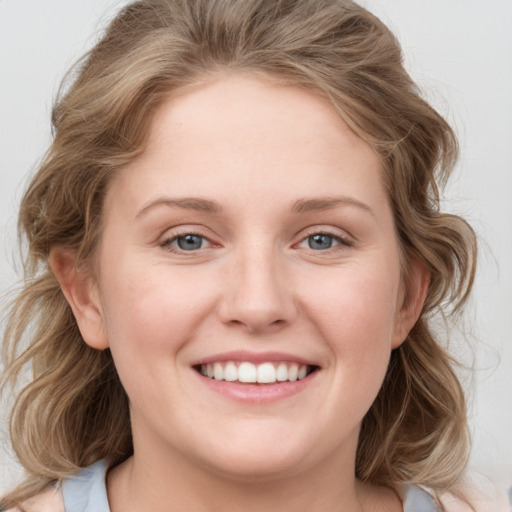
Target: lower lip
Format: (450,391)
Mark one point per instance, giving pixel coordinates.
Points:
(257,393)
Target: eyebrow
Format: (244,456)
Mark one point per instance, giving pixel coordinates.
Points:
(300,206)
(325,203)
(188,203)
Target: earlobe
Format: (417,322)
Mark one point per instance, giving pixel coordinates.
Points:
(412,303)
(82,295)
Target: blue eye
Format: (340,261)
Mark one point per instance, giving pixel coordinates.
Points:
(326,242)
(320,241)
(183,242)
(189,242)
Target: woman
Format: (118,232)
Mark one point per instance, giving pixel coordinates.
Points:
(235,246)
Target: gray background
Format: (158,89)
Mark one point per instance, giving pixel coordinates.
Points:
(460,53)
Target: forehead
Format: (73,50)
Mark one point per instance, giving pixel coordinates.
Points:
(253,110)
(253,136)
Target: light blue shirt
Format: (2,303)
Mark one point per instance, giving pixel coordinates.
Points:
(86,492)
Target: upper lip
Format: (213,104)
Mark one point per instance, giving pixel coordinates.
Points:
(254,357)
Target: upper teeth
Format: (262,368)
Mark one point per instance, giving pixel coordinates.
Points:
(265,373)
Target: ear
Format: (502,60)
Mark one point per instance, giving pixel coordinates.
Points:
(413,298)
(81,292)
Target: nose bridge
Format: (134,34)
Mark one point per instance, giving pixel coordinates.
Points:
(258,294)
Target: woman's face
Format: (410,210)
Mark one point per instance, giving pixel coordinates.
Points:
(252,241)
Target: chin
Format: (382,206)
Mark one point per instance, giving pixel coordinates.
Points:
(261,458)
(250,468)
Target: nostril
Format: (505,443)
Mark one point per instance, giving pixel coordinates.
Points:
(259,304)
(256,324)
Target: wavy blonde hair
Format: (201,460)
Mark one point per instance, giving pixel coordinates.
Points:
(74,410)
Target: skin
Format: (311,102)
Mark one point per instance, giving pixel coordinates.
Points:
(279,165)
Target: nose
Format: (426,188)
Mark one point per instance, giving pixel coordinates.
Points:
(257,295)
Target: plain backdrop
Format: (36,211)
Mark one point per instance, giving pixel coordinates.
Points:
(459,52)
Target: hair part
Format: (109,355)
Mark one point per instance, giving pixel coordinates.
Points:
(74,411)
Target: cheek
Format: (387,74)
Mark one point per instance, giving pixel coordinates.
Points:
(358,296)
(356,312)
(148,319)
(150,311)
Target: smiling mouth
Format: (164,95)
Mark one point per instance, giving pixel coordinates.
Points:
(248,373)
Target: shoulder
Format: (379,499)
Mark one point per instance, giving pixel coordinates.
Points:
(417,499)
(47,501)
(84,492)
(475,493)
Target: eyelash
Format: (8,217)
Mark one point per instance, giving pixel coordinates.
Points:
(168,242)
(342,242)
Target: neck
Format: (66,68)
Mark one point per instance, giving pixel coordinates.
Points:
(138,485)
(159,478)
